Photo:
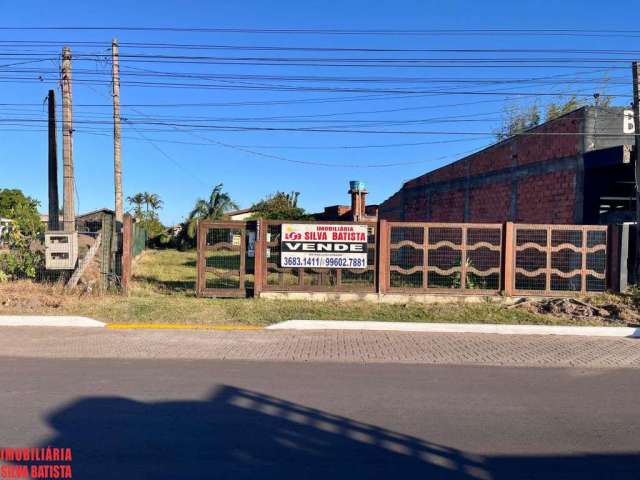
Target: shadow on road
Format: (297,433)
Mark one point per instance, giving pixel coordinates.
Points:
(240,434)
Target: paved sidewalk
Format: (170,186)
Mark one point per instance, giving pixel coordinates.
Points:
(333,346)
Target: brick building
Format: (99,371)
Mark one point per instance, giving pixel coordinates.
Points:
(574,169)
(357,211)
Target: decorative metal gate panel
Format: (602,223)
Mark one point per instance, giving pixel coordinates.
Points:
(221,259)
(557,259)
(444,258)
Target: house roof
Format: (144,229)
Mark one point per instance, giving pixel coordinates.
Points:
(92,212)
(239,212)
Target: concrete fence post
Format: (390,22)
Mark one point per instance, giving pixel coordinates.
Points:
(508,259)
(383,256)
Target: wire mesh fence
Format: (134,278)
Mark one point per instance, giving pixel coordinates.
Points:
(278,278)
(221,259)
(25,259)
(27,262)
(432,257)
(559,259)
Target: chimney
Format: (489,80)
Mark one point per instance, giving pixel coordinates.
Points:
(358,192)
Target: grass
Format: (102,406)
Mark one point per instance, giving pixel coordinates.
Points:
(163,292)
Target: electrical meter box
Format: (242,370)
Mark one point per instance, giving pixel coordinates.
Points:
(61,250)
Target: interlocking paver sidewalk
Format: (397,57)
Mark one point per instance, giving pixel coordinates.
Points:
(338,346)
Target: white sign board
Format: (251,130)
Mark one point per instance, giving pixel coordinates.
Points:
(319,245)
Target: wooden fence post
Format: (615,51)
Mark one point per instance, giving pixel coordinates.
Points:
(508,259)
(200,258)
(383,256)
(127,238)
(259,257)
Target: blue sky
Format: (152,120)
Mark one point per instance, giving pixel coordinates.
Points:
(181,152)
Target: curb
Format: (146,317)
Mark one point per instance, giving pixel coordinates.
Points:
(457,328)
(177,326)
(48,321)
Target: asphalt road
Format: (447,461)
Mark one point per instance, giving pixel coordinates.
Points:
(191,419)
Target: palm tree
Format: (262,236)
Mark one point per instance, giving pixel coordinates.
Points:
(137,200)
(213,209)
(153,200)
(147,199)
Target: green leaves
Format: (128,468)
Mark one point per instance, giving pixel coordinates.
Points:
(22,210)
(279,206)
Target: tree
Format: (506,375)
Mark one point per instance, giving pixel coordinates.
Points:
(214,208)
(21,260)
(137,201)
(23,210)
(557,109)
(293,198)
(154,201)
(279,206)
(148,218)
(517,120)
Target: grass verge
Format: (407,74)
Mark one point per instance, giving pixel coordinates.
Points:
(162,292)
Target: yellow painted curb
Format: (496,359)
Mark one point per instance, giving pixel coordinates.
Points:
(178,326)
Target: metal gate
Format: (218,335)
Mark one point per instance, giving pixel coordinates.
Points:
(275,278)
(557,259)
(221,259)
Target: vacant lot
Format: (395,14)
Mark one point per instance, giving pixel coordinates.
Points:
(163,291)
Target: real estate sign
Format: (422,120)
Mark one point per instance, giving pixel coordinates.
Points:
(320,245)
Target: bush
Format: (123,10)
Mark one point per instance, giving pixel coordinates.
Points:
(20,264)
(21,261)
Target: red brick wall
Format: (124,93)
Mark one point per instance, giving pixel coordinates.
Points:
(496,158)
(547,198)
(391,209)
(537,148)
(447,206)
(490,203)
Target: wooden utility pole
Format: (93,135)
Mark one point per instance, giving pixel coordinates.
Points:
(636,120)
(117,161)
(54,208)
(67,144)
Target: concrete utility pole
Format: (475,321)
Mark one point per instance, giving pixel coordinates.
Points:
(117,161)
(54,208)
(636,121)
(67,144)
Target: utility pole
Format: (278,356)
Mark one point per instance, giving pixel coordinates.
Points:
(117,160)
(54,209)
(67,144)
(636,132)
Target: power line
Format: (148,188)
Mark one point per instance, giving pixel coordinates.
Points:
(378,32)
